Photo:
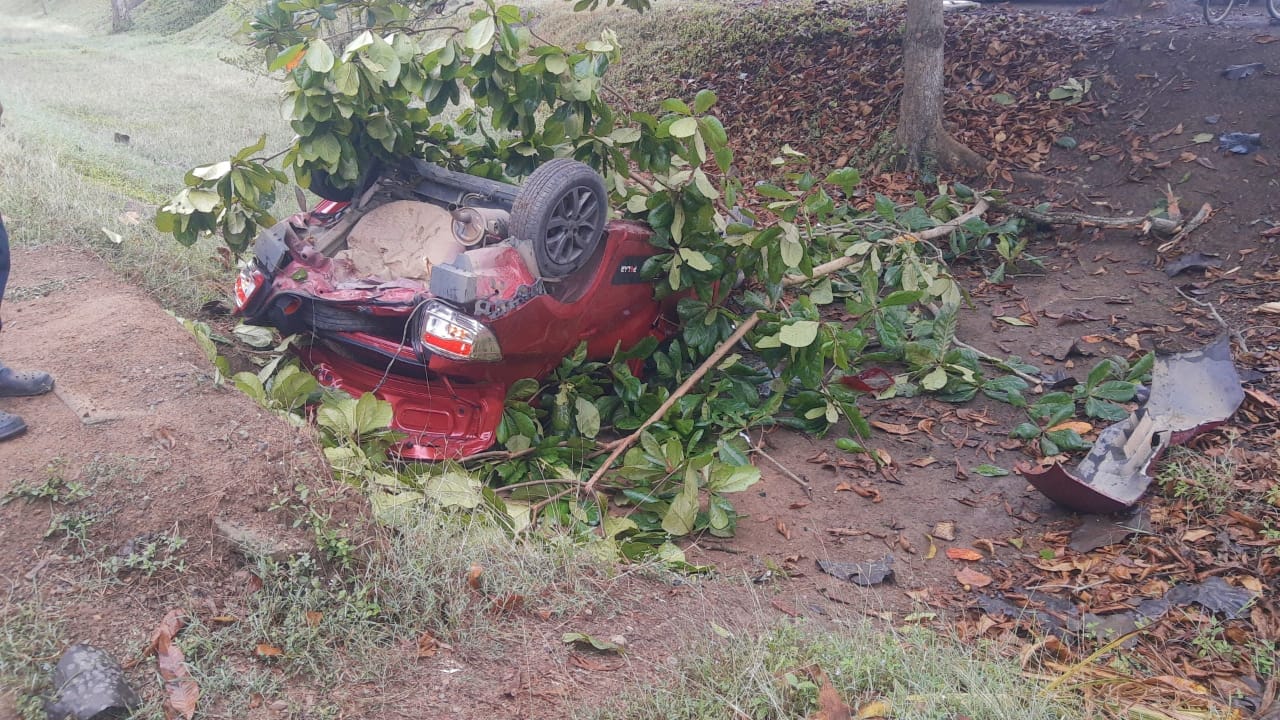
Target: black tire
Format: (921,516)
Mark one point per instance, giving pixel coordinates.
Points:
(561,209)
(1215,11)
(1273,8)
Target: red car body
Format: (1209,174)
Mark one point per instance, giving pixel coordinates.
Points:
(368,337)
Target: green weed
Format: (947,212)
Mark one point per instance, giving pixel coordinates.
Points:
(150,554)
(1206,483)
(29,648)
(55,487)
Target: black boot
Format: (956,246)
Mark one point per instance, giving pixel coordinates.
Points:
(10,425)
(20,384)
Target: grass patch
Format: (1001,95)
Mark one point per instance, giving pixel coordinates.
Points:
(165,17)
(65,177)
(29,648)
(921,674)
(331,620)
(46,202)
(1206,484)
(664,47)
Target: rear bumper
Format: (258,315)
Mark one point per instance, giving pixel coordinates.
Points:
(441,420)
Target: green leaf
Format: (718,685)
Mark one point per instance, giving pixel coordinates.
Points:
(588,417)
(319,56)
(845,179)
(1117,390)
(683,513)
(1003,98)
(249,384)
(695,259)
(791,249)
(733,478)
(1104,410)
(684,127)
(901,297)
(254,335)
(935,380)
(371,414)
(1066,440)
(1202,138)
(676,106)
(1025,431)
(479,35)
(216,171)
(454,488)
(799,334)
(773,192)
(703,101)
(988,470)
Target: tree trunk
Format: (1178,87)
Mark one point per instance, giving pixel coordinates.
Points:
(920,133)
(120,19)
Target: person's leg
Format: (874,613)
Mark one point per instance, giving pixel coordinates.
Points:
(4,259)
(10,426)
(12,383)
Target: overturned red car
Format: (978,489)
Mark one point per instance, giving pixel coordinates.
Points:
(437,290)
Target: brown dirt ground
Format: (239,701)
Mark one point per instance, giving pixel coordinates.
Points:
(191,451)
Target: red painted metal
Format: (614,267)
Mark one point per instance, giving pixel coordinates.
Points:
(452,408)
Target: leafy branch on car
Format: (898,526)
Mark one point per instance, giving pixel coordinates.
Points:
(816,280)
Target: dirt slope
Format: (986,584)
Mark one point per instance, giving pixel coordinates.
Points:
(159,450)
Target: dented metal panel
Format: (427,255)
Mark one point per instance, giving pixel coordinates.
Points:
(1191,392)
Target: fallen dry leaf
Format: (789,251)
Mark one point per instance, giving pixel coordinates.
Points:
(313,618)
(1079,426)
(892,428)
(181,691)
(945,530)
(830,705)
(265,650)
(971,578)
(473,576)
(427,645)
(595,665)
(967,554)
(784,607)
(873,710)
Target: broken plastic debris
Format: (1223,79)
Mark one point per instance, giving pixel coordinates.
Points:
(88,685)
(1190,393)
(1192,261)
(1240,72)
(1240,143)
(1099,531)
(1214,594)
(865,574)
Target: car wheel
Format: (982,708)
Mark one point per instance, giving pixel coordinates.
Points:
(561,209)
